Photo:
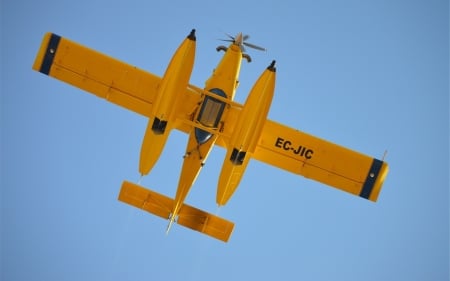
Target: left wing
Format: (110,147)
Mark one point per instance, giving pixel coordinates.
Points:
(113,80)
(96,73)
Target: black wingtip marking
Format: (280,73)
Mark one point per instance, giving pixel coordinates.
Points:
(50,53)
(372,176)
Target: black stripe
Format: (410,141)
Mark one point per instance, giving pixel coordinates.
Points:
(371,178)
(50,54)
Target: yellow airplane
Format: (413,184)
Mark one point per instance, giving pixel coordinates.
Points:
(209,116)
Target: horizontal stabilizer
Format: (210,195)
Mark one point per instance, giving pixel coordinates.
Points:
(190,217)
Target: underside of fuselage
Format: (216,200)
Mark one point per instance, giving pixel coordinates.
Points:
(199,145)
(207,118)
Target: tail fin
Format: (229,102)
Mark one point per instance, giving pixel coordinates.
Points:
(190,217)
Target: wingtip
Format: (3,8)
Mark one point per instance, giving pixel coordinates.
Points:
(44,59)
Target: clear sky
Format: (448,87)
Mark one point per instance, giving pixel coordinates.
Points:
(369,75)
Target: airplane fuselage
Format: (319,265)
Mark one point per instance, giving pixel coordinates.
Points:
(223,83)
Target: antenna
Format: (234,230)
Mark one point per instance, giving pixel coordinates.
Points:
(384,155)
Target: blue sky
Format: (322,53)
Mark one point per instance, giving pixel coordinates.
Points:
(369,75)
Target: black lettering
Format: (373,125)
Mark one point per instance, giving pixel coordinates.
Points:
(308,154)
(279,142)
(287,145)
(300,150)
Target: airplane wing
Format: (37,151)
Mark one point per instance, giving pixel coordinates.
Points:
(279,145)
(104,76)
(111,79)
(312,157)
(320,160)
(96,73)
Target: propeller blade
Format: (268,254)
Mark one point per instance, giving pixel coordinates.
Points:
(229,36)
(243,43)
(254,46)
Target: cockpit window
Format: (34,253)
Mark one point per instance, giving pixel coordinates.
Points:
(211,110)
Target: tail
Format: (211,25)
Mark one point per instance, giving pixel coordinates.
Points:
(188,216)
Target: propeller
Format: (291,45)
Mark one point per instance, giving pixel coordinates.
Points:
(240,41)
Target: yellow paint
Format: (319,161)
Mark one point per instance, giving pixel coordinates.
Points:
(174,81)
(379,182)
(254,113)
(224,77)
(173,99)
(192,164)
(190,217)
(246,134)
(41,52)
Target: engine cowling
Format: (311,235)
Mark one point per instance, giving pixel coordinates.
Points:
(174,82)
(246,134)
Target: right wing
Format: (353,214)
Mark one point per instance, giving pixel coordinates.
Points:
(321,160)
